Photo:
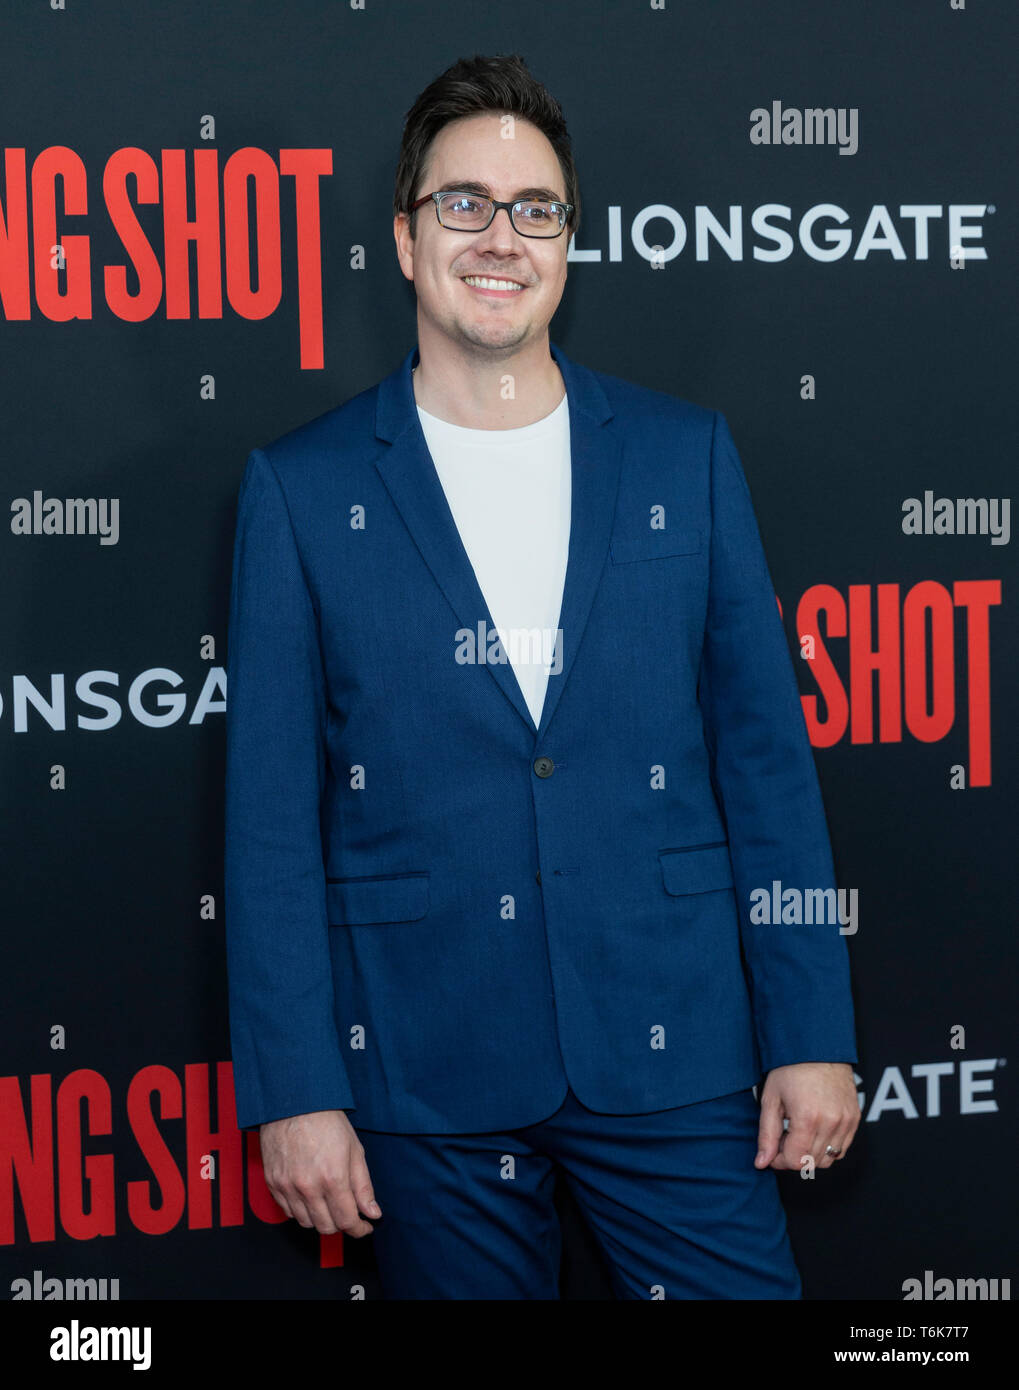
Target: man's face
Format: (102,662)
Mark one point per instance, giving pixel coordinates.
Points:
(472,150)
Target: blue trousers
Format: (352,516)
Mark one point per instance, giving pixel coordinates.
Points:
(672,1198)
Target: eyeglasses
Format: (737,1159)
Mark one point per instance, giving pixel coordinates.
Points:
(470,212)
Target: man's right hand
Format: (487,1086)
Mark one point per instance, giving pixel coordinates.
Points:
(314,1167)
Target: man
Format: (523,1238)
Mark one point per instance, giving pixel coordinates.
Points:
(494,904)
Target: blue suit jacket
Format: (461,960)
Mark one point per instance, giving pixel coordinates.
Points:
(422,928)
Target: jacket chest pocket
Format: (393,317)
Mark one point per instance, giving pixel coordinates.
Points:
(630,542)
(379,898)
(698,869)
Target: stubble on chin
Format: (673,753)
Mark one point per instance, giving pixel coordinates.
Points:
(493,343)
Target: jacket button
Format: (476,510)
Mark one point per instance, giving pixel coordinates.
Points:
(537,878)
(544,767)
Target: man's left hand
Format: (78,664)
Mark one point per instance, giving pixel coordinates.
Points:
(819,1099)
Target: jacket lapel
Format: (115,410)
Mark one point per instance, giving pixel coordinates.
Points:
(409,475)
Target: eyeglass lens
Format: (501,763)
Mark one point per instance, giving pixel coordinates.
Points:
(467,213)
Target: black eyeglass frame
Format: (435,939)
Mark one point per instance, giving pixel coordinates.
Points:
(482,197)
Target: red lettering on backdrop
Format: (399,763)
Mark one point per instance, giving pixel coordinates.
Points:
(256,165)
(824,599)
(865,658)
(144,1216)
(41,1168)
(14,294)
(977,596)
(224,1142)
(76,301)
(29,1160)
(939,659)
(904,662)
(202,229)
(131,177)
(307,167)
(84,1089)
(133,308)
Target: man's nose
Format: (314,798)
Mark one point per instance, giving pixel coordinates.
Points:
(500,232)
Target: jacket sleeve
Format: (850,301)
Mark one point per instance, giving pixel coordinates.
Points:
(766,781)
(287,1058)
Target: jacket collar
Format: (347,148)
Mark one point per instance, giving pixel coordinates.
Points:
(409,475)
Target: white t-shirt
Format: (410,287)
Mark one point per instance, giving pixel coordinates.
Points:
(509,493)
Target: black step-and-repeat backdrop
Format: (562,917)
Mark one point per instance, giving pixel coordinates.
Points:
(802,215)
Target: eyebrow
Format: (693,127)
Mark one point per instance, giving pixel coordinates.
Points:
(472,186)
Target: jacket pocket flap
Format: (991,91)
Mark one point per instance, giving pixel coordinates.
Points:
(696,870)
(399,898)
(645,544)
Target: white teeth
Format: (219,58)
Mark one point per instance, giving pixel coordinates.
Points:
(483,283)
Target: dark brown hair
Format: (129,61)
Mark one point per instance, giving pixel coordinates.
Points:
(470,87)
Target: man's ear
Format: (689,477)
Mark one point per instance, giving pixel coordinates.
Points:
(404,239)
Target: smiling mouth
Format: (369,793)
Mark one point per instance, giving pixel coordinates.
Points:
(492,283)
